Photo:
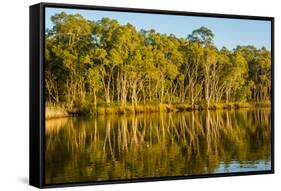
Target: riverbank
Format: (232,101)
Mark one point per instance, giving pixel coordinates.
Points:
(53,111)
(59,111)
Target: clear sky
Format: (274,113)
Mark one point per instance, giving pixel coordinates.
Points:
(228,32)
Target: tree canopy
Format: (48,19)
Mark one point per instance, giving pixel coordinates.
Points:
(104,62)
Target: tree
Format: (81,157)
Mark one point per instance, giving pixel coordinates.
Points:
(94,80)
(203,35)
(105,62)
(190,71)
(210,71)
(103,32)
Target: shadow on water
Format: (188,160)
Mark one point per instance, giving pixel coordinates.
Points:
(160,144)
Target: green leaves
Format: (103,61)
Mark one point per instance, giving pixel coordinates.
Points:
(116,63)
(203,35)
(70,24)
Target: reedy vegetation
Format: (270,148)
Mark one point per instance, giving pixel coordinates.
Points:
(100,64)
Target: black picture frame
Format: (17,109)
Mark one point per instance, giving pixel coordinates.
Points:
(37,98)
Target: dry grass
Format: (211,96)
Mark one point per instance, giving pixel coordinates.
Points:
(55,112)
(59,111)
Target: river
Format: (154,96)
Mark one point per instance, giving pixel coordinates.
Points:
(115,147)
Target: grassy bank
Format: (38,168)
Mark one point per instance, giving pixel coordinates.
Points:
(89,110)
(55,111)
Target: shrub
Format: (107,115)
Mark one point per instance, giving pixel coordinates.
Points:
(162,107)
(110,110)
(100,110)
(141,109)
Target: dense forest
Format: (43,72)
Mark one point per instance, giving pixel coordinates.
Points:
(102,64)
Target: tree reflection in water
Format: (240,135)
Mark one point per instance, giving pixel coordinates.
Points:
(114,147)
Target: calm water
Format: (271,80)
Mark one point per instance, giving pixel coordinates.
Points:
(152,145)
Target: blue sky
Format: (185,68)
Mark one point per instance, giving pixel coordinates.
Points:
(228,32)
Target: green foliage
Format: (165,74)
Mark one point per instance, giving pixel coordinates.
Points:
(203,35)
(100,111)
(103,67)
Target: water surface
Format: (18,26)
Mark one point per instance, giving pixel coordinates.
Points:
(115,147)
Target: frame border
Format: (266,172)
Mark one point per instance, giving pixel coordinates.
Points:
(40,154)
